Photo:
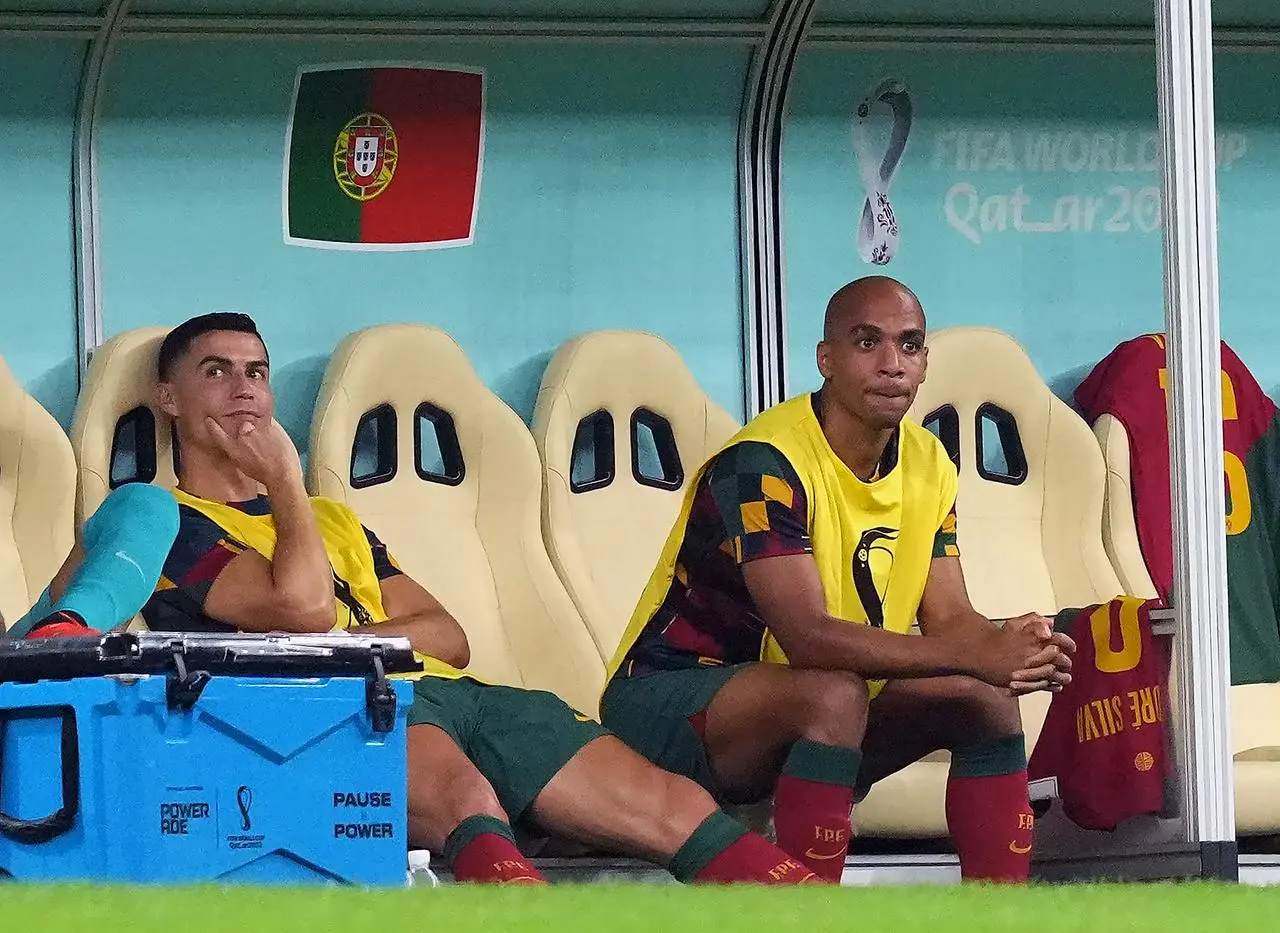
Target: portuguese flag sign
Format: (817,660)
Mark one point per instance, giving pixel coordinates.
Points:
(384,158)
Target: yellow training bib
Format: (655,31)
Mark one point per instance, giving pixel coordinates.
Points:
(349,554)
(872,541)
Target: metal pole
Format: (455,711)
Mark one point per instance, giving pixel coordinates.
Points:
(84,183)
(1201,707)
(978,37)
(384,29)
(764,325)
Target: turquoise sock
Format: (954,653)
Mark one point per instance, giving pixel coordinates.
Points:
(125,546)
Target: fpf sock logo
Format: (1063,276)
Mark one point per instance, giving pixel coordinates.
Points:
(1026,822)
(785,871)
(834,841)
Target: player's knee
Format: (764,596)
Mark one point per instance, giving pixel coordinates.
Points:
(992,708)
(831,706)
(679,807)
(479,799)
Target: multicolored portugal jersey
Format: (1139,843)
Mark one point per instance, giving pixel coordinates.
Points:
(1131,385)
(211,534)
(1105,738)
(777,489)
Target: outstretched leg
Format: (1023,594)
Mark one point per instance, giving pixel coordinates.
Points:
(608,795)
(565,771)
(454,811)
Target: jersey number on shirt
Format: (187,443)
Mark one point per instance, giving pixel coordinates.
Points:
(1239,505)
(1105,658)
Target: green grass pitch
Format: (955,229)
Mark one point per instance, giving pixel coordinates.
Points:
(596,908)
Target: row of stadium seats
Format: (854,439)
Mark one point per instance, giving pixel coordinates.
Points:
(37,497)
(540,543)
(451,479)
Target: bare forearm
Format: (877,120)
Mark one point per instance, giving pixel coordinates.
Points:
(300,570)
(431,632)
(833,644)
(965,625)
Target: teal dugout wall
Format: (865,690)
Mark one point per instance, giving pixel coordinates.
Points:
(1028,198)
(612,180)
(38,83)
(606,200)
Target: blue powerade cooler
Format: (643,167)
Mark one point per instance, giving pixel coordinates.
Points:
(176,758)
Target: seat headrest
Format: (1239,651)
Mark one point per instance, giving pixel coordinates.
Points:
(621,424)
(402,365)
(958,354)
(620,371)
(37,497)
(1032,478)
(119,433)
(448,477)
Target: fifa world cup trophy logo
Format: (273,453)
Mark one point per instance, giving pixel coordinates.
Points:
(244,799)
(877,234)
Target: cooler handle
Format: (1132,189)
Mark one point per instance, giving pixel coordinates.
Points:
(55,824)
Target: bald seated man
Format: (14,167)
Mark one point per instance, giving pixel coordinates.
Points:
(770,652)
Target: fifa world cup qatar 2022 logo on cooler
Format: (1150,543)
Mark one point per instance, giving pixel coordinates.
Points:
(244,800)
(246,838)
(364,156)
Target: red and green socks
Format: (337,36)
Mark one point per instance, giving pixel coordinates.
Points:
(722,851)
(988,810)
(812,804)
(483,849)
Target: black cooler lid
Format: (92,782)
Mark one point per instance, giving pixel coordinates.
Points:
(242,655)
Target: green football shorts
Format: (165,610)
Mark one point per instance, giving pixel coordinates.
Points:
(518,739)
(657,715)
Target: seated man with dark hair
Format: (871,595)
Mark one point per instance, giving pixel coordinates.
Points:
(255,553)
(112,569)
